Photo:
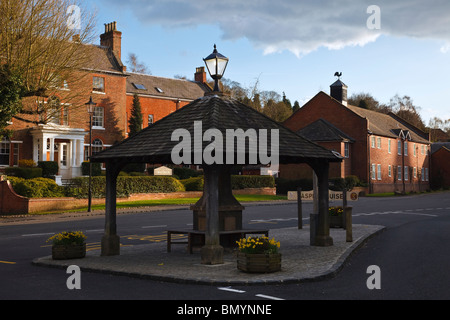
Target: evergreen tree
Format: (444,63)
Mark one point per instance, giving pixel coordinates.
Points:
(136,119)
(296,106)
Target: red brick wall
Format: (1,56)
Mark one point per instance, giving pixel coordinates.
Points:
(440,166)
(159,108)
(323,106)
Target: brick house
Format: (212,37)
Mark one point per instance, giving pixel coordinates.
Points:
(380,149)
(440,165)
(65,139)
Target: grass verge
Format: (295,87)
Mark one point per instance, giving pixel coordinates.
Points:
(168,202)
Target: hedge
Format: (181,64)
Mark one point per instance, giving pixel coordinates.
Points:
(237,182)
(96,169)
(49,168)
(36,188)
(26,173)
(193,184)
(286,185)
(244,182)
(125,186)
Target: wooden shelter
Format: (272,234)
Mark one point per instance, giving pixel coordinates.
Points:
(215,111)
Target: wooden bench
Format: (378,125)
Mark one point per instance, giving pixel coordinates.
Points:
(195,237)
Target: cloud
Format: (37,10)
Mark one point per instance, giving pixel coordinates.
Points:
(301,26)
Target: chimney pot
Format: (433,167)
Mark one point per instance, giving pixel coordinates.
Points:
(200,75)
(112,38)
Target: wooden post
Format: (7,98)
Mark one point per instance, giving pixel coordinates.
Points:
(299,208)
(344,205)
(323,238)
(349,232)
(212,252)
(110,240)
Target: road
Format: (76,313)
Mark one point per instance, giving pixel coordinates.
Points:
(412,254)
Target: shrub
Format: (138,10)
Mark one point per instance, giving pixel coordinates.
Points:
(134,167)
(126,185)
(36,188)
(193,184)
(25,163)
(96,169)
(286,185)
(26,173)
(244,182)
(185,173)
(49,168)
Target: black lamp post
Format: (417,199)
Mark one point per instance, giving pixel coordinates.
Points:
(90,109)
(216,64)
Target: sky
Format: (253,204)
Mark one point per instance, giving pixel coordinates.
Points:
(381,47)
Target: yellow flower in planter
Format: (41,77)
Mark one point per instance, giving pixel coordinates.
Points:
(68,238)
(258,245)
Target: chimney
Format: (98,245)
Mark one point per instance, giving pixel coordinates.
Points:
(112,38)
(200,75)
(339,92)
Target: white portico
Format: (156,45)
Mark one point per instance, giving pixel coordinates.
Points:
(61,144)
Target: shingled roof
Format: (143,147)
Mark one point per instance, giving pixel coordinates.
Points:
(386,124)
(103,59)
(322,130)
(165,87)
(154,145)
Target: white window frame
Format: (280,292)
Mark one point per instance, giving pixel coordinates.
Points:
(399,173)
(406,173)
(98,118)
(399,147)
(379,172)
(390,171)
(379,143)
(347,149)
(389,145)
(374,171)
(98,89)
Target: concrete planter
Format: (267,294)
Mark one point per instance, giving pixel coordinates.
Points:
(337,221)
(68,252)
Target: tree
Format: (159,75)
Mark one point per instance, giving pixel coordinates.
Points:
(11,91)
(277,111)
(42,41)
(136,66)
(296,106)
(405,109)
(366,101)
(136,119)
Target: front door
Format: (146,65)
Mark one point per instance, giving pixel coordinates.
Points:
(64,161)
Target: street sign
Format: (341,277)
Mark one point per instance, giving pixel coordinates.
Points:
(163,171)
(333,195)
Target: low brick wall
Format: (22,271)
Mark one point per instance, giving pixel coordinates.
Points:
(13,204)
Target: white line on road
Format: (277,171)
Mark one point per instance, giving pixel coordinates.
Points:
(229,289)
(38,234)
(149,227)
(268,297)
